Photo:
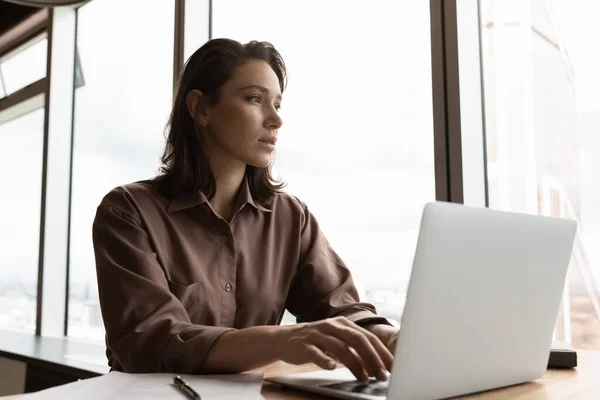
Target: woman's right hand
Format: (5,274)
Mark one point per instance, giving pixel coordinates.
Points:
(331,340)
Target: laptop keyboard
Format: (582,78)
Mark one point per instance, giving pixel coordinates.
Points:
(373,388)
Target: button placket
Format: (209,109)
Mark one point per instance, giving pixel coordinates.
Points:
(227,276)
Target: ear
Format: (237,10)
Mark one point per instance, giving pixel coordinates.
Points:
(194,101)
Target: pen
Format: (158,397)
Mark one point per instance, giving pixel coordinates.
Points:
(185,388)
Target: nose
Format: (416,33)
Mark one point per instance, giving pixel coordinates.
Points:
(274,121)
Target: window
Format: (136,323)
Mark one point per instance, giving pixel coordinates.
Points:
(122,104)
(542,122)
(357,139)
(22,139)
(23,66)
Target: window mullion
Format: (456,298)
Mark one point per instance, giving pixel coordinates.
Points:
(56,172)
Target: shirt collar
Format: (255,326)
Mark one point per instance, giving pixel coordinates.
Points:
(245,197)
(190,200)
(187,200)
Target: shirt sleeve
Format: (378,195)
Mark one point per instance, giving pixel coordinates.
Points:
(323,286)
(147,327)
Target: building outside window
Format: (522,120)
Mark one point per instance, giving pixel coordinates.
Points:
(543,123)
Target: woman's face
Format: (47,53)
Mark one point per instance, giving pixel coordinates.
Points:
(244,123)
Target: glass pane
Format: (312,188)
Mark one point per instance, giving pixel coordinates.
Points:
(20,216)
(542,120)
(196,26)
(25,67)
(121,109)
(357,139)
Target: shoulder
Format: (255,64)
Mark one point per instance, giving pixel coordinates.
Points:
(134,198)
(287,203)
(125,194)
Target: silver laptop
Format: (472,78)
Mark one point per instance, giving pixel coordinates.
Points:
(482,301)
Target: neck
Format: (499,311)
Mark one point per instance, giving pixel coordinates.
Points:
(229,174)
(227,186)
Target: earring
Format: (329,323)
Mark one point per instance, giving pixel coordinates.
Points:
(204,123)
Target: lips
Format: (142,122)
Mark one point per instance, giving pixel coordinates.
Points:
(269,140)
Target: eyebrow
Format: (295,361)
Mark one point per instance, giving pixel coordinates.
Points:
(261,88)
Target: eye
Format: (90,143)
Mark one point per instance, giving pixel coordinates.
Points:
(278,107)
(254,98)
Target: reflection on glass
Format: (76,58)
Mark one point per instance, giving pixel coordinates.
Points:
(25,66)
(22,140)
(357,139)
(542,121)
(120,114)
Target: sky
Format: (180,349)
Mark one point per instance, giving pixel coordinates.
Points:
(578,25)
(20,200)
(24,67)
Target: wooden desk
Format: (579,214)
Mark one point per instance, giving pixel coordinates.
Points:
(580,383)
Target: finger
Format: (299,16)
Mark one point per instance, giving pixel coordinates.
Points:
(317,356)
(393,342)
(384,352)
(361,344)
(341,351)
(381,348)
(355,354)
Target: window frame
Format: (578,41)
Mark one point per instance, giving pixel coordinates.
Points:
(15,39)
(28,98)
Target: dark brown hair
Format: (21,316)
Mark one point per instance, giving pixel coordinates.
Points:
(185,167)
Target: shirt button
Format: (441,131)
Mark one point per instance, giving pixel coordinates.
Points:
(228,287)
(223,239)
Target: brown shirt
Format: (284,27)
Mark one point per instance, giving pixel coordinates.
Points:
(173,276)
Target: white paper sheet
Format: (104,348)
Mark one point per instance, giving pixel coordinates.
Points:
(121,386)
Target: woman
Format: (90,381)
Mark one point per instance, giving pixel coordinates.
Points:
(196,267)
